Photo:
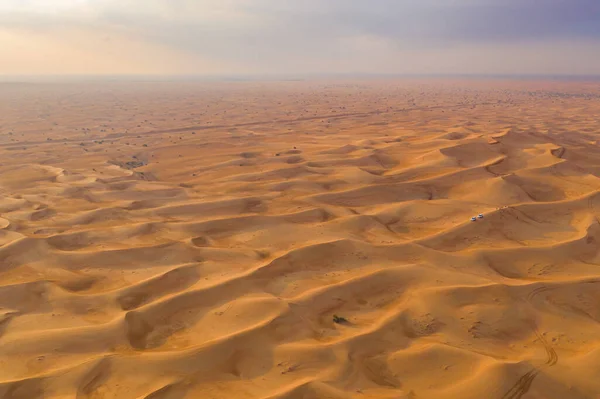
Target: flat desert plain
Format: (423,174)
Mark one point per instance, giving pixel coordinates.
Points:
(300,240)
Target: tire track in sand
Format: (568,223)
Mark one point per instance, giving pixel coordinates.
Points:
(523,384)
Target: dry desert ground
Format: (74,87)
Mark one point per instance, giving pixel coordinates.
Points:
(171,240)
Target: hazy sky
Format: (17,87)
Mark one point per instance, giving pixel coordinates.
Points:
(299,36)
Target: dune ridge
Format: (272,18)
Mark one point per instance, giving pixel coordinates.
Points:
(300,240)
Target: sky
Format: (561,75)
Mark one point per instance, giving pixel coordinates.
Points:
(246,37)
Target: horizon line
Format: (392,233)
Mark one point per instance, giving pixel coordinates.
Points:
(50,78)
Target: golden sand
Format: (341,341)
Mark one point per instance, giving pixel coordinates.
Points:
(197,240)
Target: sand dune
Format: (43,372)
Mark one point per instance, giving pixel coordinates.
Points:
(300,240)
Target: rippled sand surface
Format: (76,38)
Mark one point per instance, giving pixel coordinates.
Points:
(197,240)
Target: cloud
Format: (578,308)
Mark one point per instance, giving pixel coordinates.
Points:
(333,35)
(418,21)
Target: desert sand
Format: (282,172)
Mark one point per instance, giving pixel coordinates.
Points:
(196,240)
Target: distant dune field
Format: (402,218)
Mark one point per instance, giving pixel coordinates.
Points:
(300,240)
